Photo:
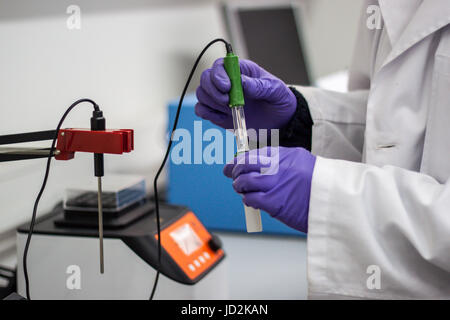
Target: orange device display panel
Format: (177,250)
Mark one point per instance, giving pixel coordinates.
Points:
(186,241)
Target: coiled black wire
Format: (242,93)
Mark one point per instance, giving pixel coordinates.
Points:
(41,191)
(155,181)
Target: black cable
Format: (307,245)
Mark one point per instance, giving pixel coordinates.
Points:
(41,191)
(228,48)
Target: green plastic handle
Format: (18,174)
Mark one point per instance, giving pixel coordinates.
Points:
(231,64)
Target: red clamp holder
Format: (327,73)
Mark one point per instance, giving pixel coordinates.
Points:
(112,141)
(69,141)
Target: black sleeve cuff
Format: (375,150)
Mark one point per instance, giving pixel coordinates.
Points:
(298,131)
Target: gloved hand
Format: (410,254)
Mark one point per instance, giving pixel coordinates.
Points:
(276,180)
(269,103)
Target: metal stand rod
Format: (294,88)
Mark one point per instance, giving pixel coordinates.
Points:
(100,224)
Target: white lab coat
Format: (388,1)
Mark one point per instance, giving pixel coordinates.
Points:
(380,198)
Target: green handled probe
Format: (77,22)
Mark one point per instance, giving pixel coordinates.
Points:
(236,95)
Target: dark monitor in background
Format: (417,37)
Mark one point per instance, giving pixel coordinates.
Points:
(269,35)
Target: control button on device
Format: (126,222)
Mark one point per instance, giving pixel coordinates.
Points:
(202,260)
(215,243)
(191,267)
(197,263)
(206,254)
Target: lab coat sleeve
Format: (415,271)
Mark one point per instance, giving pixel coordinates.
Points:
(369,224)
(339,122)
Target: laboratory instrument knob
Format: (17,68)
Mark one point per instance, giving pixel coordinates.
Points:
(215,243)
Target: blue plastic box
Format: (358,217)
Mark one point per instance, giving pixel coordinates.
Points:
(202,186)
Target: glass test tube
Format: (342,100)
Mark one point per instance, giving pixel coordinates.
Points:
(252,215)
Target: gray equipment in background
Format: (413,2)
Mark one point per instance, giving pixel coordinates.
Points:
(269,35)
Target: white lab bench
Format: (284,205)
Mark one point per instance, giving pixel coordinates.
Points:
(265,266)
(257,266)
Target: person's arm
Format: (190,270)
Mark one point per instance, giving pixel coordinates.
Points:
(365,219)
(333,127)
(338,119)
(373,232)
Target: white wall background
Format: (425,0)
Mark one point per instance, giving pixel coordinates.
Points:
(329,31)
(131,57)
(130,60)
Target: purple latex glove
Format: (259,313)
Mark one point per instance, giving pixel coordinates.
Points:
(276,180)
(269,103)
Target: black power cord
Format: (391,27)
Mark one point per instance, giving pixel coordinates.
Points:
(41,191)
(97,109)
(155,181)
